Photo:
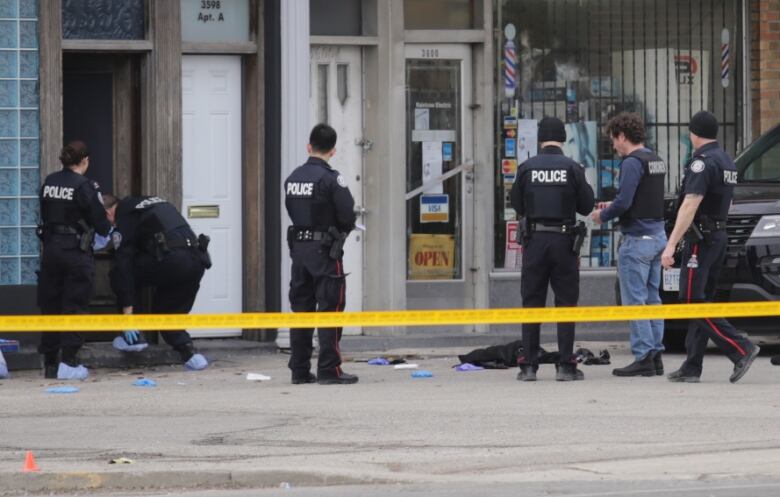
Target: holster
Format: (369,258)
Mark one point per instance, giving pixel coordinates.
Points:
(159,246)
(290,236)
(523,231)
(694,235)
(580,232)
(337,244)
(203,248)
(86,237)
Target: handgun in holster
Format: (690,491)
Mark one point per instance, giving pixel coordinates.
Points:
(86,237)
(337,244)
(160,245)
(580,232)
(523,231)
(203,246)
(694,234)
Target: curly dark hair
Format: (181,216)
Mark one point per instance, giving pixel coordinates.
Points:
(630,124)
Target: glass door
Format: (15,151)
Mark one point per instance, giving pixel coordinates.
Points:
(438,152)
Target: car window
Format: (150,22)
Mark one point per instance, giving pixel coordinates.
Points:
(766,167)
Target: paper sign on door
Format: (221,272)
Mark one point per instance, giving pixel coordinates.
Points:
(434,208)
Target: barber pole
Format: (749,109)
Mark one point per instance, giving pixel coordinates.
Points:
(724,58)
(510,61)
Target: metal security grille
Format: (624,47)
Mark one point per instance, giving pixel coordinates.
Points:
(584,61)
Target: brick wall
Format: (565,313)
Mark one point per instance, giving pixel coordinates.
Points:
(765,64)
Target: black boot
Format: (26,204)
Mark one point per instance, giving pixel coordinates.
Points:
(776,360)
(186,351)
(337,377)
(51,363)
(645,367)
(303,379)
(568,372)
(527,372)
(741,367)
(683,376)
(658,363)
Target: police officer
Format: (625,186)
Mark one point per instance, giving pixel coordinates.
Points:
(155,247)
(550,189)
(71,213)
(708,186)
(321,209)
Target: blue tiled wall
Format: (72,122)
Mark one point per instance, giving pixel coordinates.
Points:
(19,141)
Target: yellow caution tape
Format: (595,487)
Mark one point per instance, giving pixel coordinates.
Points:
(109,322)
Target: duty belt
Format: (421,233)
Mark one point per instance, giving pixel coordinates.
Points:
(566,229)
(60,229)
(710,225)
(182,243)
(306,235)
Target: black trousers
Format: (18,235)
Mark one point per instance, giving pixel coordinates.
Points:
(65,283)
(548,259)
(317,283)
(175,280)
(699,285)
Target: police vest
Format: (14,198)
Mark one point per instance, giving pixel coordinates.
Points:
(59,199)
(648,200)
(717,200)
(156,215)
(549,191)
(308,199)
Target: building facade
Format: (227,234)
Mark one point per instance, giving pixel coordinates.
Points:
(169,97)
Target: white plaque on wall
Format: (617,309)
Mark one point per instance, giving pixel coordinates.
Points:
(215,20)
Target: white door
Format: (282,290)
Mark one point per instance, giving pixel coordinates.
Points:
(337,99)
(211,156)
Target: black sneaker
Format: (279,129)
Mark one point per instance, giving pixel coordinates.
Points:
(50,371)
(741,367)
(527,373)
(658,362)
(302,380)
(341,379)
(682,376)
(775,360)
(186,351)
(645,367)
(568,372)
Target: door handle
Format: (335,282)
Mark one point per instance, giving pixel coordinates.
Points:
(359,210)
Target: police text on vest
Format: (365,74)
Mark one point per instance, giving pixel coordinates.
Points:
(58,192)
(300,189)
(549,176)
(730,177)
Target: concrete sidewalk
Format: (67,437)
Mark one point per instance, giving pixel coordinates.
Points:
(215,429)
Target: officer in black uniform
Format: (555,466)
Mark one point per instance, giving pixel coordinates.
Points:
(71,213)
(155,247)
(550,189)
(708,186)
(321,209)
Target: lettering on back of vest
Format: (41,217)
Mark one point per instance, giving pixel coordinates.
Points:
(58,192)
(296,189)
(549,176)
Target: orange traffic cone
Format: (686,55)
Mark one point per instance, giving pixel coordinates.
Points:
(29,463)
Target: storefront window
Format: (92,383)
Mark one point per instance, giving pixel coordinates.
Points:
(433,133)
(103,19)
(214,21)
(19,145)
(442,14)
(586,61)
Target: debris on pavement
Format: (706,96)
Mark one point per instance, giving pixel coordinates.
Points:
(467,366)
(406,366)
(121,460)
(145,382)
(588,358)
(257,377)
(378,361)
(62,389)
(422,374)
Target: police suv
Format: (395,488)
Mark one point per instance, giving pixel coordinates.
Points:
(751,271)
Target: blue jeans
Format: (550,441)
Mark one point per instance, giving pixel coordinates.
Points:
(639,268)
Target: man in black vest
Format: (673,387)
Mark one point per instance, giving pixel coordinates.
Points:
(708,186)
(71,213)
(639,205)
(321,209)
(155,247)
(549,191)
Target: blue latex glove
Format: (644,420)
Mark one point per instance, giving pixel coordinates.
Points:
(100,242)
(131,336)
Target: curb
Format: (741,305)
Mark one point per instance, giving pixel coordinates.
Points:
(17,483)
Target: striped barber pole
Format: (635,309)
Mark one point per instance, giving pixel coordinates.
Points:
(724,58)
(510,69)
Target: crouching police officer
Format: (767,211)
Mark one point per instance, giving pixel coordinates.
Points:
(155,247)
(71,213)
(321,209)
(708,186)
(550,189)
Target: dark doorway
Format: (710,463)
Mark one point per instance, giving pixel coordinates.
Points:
(101,106)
